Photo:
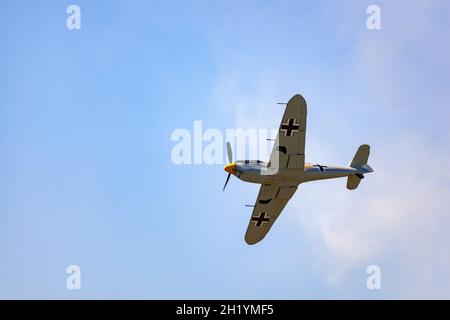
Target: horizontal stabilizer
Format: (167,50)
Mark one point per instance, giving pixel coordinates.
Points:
(353,182)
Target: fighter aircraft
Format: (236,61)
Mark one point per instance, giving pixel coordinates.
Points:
(286,170)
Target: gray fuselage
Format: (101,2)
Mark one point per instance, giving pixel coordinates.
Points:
(258,172)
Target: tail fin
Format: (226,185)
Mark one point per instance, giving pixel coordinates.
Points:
(361,156)
(359,162)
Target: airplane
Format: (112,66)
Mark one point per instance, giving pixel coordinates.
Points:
(286,170)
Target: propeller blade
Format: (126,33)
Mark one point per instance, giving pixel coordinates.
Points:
(226,181)
(229,153)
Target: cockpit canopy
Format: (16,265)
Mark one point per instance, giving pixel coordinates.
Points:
(252,162)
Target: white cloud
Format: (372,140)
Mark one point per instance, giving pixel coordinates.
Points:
(401,208)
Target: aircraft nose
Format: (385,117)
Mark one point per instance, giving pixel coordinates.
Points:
(230,168)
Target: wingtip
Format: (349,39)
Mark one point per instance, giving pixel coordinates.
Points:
(252,241)
(297,96)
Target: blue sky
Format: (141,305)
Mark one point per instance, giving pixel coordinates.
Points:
(87,178)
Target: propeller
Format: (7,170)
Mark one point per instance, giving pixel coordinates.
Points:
(226,182)
(230,160)
(229,153)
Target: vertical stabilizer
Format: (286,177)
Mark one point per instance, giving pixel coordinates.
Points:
(361,157)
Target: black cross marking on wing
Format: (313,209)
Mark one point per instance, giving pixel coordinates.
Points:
(289,127)
(260,219)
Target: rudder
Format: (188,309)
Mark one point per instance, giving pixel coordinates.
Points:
(361,157)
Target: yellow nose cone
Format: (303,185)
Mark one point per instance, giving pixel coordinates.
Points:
(230,168)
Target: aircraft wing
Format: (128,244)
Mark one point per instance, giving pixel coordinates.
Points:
(272,199)
(289,148)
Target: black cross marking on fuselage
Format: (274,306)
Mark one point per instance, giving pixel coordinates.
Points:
(290,127)
(321,168)
(260,219)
